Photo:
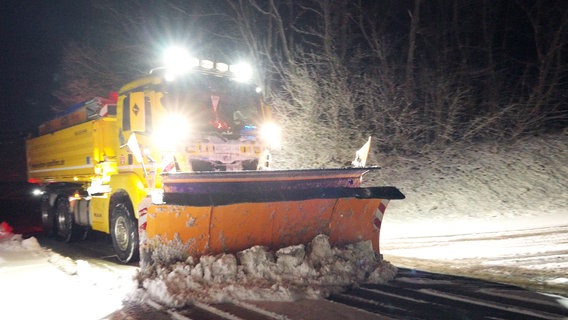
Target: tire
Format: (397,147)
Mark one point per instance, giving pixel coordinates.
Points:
(65,226)
(47,217)
(124,232)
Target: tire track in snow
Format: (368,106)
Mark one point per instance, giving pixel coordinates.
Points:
(422,295)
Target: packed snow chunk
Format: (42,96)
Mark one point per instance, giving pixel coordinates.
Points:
(167,252)
(291,262)
(12,242)
(257,261)
(320,250)
(291,256)
(219,269)
(384,273)
(256,273)
(64,264)
(31,244)
(15,243)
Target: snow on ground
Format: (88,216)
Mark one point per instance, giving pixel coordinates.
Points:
(474,207)
(38,284)
(63,288)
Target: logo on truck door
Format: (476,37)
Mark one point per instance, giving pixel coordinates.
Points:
(137,114)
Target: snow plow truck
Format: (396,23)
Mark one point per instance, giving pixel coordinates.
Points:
(181,158)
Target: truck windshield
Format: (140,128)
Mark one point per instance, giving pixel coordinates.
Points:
(214,103)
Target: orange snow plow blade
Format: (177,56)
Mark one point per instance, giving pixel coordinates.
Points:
(293,207)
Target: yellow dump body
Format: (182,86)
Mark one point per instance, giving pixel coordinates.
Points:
(72,154)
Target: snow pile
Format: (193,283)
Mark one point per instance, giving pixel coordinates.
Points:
(13,244)
(289,274)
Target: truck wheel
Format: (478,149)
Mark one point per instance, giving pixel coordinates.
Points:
(47,217)
(124,232)
(64,219)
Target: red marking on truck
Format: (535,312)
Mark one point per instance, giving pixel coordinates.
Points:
(143,218)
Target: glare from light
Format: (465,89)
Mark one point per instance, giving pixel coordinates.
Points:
(177,60)
(193,62)
(207,64)
(37,192)
(222,67)
(242,72)
(169,77)
(172,130)
(271,134)
(258,89)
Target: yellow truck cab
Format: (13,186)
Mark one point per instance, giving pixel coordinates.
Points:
(99,160)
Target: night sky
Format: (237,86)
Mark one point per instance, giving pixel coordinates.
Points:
(33,34)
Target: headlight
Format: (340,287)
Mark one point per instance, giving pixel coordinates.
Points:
(270,133)
(242,72)
(178,61)
(172,129)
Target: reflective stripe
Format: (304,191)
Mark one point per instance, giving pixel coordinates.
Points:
(62,169)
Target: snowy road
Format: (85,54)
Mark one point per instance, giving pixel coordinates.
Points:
(518,258)
(412,295)
(532,258)
(79,272)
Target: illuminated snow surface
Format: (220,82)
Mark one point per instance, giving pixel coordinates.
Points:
(482,207)
(36,283)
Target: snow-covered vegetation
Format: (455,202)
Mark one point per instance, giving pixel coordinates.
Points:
(489,210)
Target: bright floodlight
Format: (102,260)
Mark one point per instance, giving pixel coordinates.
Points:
(207,64)
(271,134)
(221,67)
(241,71)
(177,60)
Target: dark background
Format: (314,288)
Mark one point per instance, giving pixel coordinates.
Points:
(33,34)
